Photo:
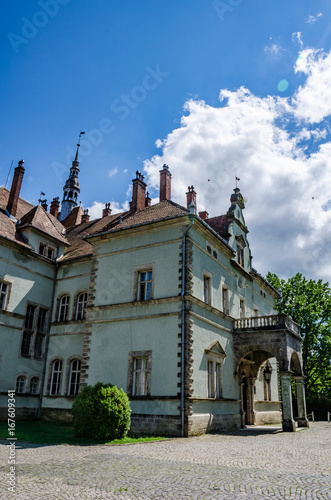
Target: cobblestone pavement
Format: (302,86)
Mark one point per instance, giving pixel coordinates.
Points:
(244,464)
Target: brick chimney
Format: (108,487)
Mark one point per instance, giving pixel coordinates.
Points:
(165,183)
(15,189)
(204,215)
(55,206)
(106,211)
(191,195)
(138,193)
(148,200)
(85,216)
(43,203)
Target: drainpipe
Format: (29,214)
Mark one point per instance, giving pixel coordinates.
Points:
(182,398)
(47,339)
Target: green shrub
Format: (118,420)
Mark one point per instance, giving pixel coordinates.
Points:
(101,412)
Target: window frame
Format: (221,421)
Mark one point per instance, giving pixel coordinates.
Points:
(74,374)
(4,295)
(34,331)
(55,374)
(37,385)
(46,249)
(146,356)
(240,255)
(207,289)
(24,380)
(226,302)
(136,274)
(147,294)
(215,356)
(242,310)
(66,306)
(82,311)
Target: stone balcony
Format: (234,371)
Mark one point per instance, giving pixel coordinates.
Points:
(264,323)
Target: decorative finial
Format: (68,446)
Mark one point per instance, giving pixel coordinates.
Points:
(237,179)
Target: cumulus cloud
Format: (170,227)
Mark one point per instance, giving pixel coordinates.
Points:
(287,190)
(95,210)
(312,100)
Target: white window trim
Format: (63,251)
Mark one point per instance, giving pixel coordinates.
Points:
(47,248)
(5,294)
(71,372)
(226,309)
(62,296)
(207,276)
(78,302)
(52,375)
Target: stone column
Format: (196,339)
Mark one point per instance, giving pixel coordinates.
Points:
(250,401)
(288,422)
(301,400)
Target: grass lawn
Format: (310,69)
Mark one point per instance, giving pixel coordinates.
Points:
(57,433)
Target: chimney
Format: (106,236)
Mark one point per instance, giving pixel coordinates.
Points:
(204,215)
(43,203)
(191,196)
(148,200)
(85,216)
(165,183)
(106,211)
(54,207)
(138,193)
(15,189)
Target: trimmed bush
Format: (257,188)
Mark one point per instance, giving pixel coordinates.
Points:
(101,412)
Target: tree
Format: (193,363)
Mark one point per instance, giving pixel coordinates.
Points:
(101,412)
(308,303)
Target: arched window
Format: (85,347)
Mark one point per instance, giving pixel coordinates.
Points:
(74,377)
(63,308)
(70,195)
(56,370)
(81,305)
(34,385)
(20,384)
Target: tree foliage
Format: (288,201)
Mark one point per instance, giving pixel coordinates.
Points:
(101,412)
(308,303)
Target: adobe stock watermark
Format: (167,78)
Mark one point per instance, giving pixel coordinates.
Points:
(31,27)
(121,107)
(222,7)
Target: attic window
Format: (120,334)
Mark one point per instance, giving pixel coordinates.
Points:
(215,254)
(46,251)
(208,249)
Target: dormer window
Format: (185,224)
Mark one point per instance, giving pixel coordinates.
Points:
(46,251)
(240,255)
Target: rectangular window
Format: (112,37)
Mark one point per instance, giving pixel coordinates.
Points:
(225,300)
(4,288)
(214,379)
(50,253)
(29,317)
(34,385)
(38,345)
(139,387)
(145,280)
(206,289)
(46,251)
(41,323)
(26,342)
(42,249)
(242,308)
(240,255)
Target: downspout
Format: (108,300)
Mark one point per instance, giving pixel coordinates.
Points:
(47,340)
(182,397)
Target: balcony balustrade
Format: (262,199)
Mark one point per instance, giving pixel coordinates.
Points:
(272,322)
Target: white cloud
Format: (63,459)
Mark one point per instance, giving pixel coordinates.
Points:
(273,50)
(312,19)
(312,101)
(297,38)
(112,172)
(286,189)
(95,210)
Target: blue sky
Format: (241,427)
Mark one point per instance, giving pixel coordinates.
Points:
(143,79)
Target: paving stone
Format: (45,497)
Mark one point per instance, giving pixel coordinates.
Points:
(244,464)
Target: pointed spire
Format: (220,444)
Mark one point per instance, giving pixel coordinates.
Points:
(78,146)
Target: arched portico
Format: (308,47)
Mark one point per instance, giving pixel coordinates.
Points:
(258,339)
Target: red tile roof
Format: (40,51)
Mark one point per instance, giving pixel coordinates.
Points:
(220,224)
(38,218)
(7,226)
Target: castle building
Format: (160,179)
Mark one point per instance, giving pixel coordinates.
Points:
(158,300)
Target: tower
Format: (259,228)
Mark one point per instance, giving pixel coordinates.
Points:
(71,188)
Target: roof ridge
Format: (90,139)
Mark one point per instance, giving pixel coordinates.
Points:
(50,219)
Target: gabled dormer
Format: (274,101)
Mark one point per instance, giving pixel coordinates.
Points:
(238,231)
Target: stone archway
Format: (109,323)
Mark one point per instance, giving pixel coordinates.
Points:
(257,339)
